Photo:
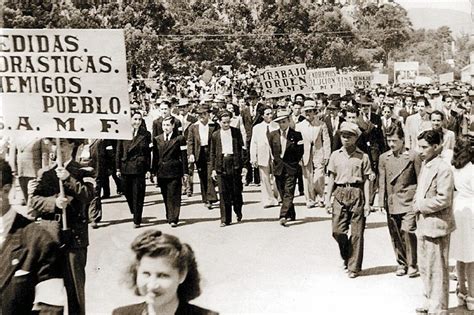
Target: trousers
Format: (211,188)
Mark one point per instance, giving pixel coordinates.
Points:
(134,191)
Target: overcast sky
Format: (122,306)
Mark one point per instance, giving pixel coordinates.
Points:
(459,5)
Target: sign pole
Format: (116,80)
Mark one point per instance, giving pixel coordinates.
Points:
(59,160)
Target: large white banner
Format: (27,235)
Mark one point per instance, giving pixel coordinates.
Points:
(362,79)
(446,78)
(323,80)
(379,78)
(405,72)
(285,80)
(67,83)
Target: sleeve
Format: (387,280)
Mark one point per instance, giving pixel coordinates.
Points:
(243,132)
(212,150)
(81,189)
(382,181)
(299,146)
(253,146)
(190,140)
(332,163)
(154,162)
(184,154)
(444,192)
(326,141)
(12,156)
(37,202)
(148,148)
(366,166)
(118,155)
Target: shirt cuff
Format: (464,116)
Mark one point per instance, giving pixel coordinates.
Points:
(51,291)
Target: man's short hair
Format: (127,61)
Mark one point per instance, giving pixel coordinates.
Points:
(424,100)
(171,119)
(224,113)
(431,136)
(437,112)
(7,176)
(352,109)
(397,130)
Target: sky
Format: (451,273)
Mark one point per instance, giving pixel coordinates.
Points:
(459,5)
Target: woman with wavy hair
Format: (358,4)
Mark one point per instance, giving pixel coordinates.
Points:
(462,239)
(165,273)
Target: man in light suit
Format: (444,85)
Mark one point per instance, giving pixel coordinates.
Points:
(260,156)
(27,156)
(435,221)
(398,171)
(438,119)
(317,149)
(417,123)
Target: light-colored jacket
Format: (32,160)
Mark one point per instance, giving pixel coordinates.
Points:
(433,200)
(415,125)
(28,155)
(260,151)
(315,140)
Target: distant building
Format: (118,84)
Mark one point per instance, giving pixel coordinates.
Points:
(467,74)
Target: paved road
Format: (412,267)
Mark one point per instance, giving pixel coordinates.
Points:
(257,266)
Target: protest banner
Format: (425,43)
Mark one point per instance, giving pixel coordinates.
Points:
(379,78)
(446,78)
(285,80)
(362,79)
(405,72)
(64,83)
(323,80)
(345,82)
(421,80)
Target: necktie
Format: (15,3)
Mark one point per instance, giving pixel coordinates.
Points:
(268,131)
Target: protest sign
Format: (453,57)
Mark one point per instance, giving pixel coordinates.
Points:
(323,80)
(285,80)
(345,82)
(362,79)
(405,72)
(446,78)
(421,80)
(65,83)
(379,78)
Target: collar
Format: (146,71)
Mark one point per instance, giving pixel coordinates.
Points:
(432,162)
(67,163)
(353,152)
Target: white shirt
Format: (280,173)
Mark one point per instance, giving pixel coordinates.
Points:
(283,134)
(203,133)
(6,222)
(226,141)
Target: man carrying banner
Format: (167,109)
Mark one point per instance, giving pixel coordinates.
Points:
(47,204)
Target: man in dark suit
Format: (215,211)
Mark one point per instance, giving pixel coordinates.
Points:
(29,257)
(287,149)
(98,161)
(165,111)
(187,120)
(333,122)
(198,143)
(408,109)
(47,204)
(388,120)
(227,162)
(170,165)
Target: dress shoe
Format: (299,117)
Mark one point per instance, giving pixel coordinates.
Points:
(224,224)
(413,272)
(208,205)
(310,204)
(189,194)
(283,222)
(470,303)
(461,297)
(94,225)
(136,226)
(401,271)
(291,219)
(353,274)
(320,204)
(239,218)
(173,224)
(421,311)
(105,197)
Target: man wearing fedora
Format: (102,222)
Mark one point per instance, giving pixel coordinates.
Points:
(317,149)
(198,143)
(287,150)
(260,157)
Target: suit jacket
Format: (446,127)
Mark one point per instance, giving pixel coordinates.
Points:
(98,157)
(398,180)
(170,157)
(434,199)
(260,151)
(373,136)
(28,156)
(293,152)
(315,139)
(194,140)
(333,135)
(157,128)
(188,122)
(28,256)
(414,125)
(248,121)
(404,113)
(183,309)
(134,156)
(449,139)
(44,190)
(237,148)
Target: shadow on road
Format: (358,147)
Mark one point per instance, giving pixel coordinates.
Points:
(120,221)
(378,270)
(375,225)
(308,220)
(460,310)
